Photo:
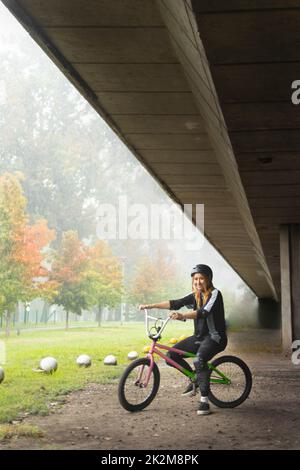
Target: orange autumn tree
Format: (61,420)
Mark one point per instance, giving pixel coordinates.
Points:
(68,270)
(22,250)
(157,278)
(145,283)
(31,253)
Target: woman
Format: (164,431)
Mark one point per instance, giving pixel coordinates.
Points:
(209,336)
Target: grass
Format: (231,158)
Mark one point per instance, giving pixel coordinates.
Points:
(8,431)
(25,391)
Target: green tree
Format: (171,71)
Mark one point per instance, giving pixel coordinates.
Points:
(70,159)
(104,277)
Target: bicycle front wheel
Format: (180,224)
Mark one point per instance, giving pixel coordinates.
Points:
(134,394)
(230,382)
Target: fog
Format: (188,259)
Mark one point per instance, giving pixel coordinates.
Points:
(72,163)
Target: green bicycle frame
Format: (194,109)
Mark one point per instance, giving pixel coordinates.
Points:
(222,377)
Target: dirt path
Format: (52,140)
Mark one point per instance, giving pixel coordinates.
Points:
(93,419)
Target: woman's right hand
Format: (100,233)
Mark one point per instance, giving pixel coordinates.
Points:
(142,307)
(176,316)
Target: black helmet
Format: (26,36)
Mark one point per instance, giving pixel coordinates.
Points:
(202,269)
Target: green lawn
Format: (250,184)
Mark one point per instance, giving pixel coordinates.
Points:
(26,391)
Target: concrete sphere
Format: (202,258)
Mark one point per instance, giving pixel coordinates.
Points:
(132,355)
(83,360)
(2,375)
(173,340)
(110,360)
(48,364)
(182,337)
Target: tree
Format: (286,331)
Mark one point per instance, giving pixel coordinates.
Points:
(22,250)
(68,270)
(156,278)
(69,157)
(104,278)
(32,252)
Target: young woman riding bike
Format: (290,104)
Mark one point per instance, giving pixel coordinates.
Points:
(209,338)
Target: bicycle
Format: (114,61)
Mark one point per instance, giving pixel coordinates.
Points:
(230,379)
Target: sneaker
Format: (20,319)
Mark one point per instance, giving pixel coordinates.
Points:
(203,408)
(190,390)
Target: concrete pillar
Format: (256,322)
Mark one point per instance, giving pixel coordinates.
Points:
(295,278)
(286,303)
(269,313)
(290,282)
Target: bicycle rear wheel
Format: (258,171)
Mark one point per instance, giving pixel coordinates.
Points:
(234,391)
(134,395)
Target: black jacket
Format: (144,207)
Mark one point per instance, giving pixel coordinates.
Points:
(210,318)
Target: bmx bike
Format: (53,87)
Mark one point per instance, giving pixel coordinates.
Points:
(230,377)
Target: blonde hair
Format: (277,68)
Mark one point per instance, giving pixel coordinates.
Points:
(200,302)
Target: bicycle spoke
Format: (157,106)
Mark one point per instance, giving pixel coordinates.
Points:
(135,390)
(236,386)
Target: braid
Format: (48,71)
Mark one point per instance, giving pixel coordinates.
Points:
(198,299)
(207,294)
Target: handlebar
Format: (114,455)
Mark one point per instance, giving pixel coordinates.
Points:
(158,328)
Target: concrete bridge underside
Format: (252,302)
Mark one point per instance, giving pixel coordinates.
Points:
(200,91)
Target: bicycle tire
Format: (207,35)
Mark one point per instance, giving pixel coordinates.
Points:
(215,388)
(123,399)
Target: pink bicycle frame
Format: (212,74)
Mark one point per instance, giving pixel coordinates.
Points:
(154,350)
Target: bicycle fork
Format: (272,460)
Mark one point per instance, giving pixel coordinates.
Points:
(141,371)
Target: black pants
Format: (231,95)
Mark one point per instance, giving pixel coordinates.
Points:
(205,349)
